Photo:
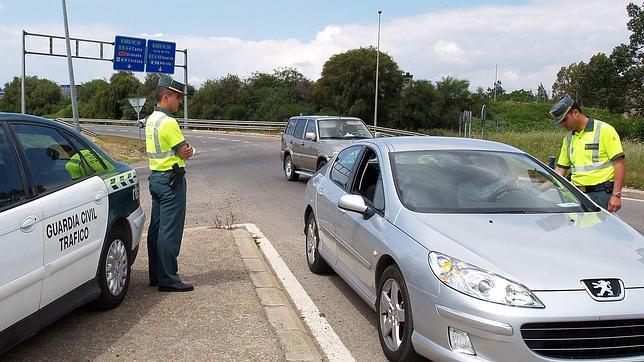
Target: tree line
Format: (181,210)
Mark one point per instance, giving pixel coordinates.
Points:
(346,87)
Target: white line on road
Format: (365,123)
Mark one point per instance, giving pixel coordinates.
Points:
(329,342)
(234,140)
(224,139)
(629,199)
(250,143)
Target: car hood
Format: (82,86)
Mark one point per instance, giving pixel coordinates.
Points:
(329,146)
(540,251)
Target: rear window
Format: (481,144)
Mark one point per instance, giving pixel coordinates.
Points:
(299,128)
(290,127)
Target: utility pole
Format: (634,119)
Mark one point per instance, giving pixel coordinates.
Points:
(375,106)
(496,74)
(72,85)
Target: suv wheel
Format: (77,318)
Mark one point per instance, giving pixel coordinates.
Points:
(289,169)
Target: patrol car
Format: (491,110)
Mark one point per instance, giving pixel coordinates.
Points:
(70,225)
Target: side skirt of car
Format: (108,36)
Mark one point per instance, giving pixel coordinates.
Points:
(62,306)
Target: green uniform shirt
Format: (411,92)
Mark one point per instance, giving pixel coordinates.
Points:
(590,153)
(162,138)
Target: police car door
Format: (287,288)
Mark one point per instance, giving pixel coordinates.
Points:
(76,208)
(21,250)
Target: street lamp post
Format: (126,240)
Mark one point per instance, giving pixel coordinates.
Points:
(375,106)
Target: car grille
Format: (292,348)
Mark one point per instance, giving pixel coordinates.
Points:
(586,340)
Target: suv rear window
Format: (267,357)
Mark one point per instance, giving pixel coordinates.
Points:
(290,127)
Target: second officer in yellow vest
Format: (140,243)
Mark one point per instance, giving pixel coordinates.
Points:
(167,151)
(593,153)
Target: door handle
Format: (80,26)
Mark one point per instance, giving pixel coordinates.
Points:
(98,198)
(290,142)
(302,144)
(322,191)
(27,224)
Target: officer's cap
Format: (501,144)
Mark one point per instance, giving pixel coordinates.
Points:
(171,84)
(561,108)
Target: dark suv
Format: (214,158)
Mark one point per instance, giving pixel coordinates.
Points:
(308,142)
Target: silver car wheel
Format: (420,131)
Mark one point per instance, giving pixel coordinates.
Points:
(288,167)
(311,241)
(392,314)
(116,264)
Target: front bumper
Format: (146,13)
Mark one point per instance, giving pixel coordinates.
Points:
(136,220)
(495,330)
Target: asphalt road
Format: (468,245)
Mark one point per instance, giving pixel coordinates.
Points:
(238,179)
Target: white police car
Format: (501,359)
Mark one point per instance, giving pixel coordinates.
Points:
(70,225)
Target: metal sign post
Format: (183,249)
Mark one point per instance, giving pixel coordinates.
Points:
(137,104)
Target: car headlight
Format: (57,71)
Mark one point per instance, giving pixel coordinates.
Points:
(481,284)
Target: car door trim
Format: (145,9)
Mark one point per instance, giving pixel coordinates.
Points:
(359,257)
(22,282)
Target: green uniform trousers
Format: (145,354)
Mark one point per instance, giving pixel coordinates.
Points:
(166,227)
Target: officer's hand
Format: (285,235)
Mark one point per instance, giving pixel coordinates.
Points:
(189,151)
(614,203)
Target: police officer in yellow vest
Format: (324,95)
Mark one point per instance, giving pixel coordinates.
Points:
(167,150)
(593,153)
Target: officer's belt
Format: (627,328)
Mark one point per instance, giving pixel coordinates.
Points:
(595,188)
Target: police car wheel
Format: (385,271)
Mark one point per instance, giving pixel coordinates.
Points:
(114,271)
(289,169)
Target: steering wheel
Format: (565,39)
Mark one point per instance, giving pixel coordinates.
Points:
(505,189)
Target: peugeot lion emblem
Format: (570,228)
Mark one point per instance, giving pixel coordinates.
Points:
(604,290)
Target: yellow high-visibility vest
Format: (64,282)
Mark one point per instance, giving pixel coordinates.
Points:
(162,138)
(589,154)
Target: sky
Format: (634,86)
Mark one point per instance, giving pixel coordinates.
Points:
(529,40)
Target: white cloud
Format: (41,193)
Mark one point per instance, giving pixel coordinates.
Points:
(528,42)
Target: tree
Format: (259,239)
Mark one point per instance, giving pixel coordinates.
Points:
(520,95)
(569,82)
(600,84)
(42,96)
(418,107)
(542,94)
(346,86)
(215,97)
(454,98)
(278,96)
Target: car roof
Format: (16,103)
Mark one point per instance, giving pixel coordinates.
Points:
(6,116)
(321,117)
(420,143)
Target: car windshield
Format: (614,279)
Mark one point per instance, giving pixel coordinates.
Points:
(456,181)
(343,128)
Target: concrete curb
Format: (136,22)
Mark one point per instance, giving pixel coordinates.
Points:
(293,337)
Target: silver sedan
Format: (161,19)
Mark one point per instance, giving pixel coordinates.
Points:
(472,250)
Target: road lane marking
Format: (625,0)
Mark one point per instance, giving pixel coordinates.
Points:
(329,342)
(629,199)
(234,140)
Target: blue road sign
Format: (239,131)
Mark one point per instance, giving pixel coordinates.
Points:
(160,57)
(129,54)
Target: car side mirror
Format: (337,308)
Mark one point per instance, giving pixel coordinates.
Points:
(309,136)
(355,203)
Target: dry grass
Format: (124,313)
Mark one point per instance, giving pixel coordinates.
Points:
(122,149)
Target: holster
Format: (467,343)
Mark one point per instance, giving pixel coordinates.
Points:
(176,175)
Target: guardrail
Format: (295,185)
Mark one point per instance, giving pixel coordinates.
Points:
(232,125)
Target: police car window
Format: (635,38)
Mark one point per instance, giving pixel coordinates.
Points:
(12,189)
(51,157)
(343,164)
(92,163)
(299,128)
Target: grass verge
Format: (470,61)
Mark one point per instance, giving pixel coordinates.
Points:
(122,149)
